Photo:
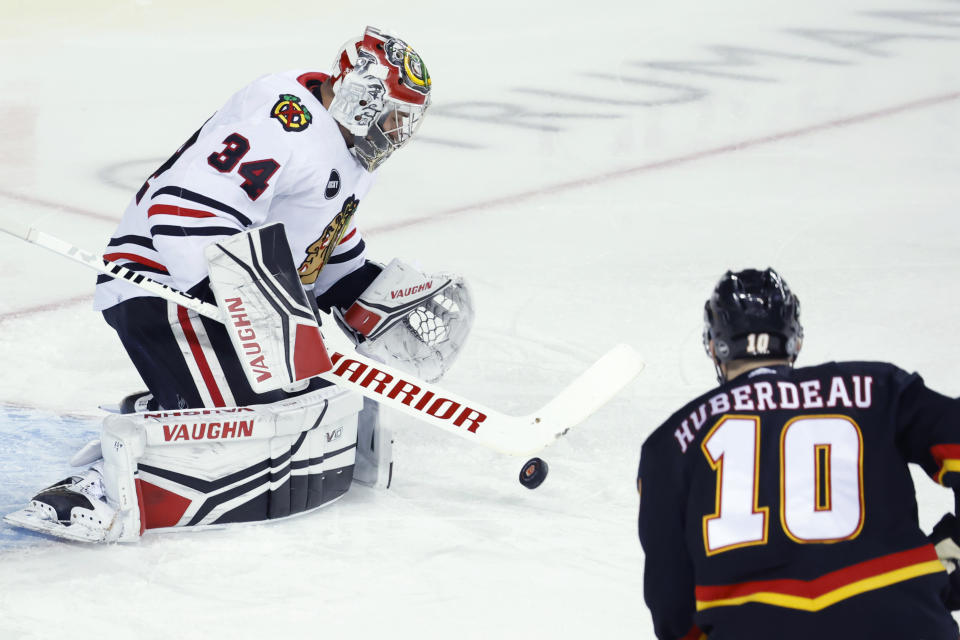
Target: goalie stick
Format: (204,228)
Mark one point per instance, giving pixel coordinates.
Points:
(427,402)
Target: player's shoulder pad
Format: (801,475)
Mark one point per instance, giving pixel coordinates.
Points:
(287,104)
(666,428)
(292,105)
(285,116)
(880,371)
(853,366)
(886,380)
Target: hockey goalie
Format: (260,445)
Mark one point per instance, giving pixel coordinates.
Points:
(256,213)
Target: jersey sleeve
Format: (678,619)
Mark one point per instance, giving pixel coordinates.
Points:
(183,222)
(345,291)
(928,429)
(348,256)
(668,579)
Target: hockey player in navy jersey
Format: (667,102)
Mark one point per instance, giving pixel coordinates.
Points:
(780,505)
(300,148)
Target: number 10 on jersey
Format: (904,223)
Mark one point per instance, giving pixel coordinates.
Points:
(821,481)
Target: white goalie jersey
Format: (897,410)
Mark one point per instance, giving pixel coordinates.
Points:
(271,154)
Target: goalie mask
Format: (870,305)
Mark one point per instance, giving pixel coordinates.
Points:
(381,91)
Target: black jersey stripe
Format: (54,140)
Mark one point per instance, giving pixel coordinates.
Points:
(137,240)
(171,230)
(193,196)
(349,255)
(132,266)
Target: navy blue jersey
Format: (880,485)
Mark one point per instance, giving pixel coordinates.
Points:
(780,505)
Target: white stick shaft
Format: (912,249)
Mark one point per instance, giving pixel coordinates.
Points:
(456,414)
(97,263)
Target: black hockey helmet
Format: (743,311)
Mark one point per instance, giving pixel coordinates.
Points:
(752,315)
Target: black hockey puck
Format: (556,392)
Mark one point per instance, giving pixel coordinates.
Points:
(533,473)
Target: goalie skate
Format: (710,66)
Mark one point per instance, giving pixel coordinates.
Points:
(133,403)
(74,509)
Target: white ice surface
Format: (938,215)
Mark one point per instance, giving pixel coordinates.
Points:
(583,215)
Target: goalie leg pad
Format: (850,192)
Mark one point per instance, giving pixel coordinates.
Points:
(213,467)
(122,445)
(205,467)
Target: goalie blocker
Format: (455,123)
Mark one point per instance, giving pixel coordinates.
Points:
(197,468)
(270,321)
(262,345)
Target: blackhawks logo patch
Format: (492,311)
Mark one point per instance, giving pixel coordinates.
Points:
(320,251)
(291,113)
(414,72)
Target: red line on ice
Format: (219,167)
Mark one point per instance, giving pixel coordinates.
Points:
(669,162)
(43,308)
(546,190)
(57,206)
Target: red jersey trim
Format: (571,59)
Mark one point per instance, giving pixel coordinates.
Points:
(209,379)
(814,595)
(311,76)
(132,257)
(174,210)
(694,634)
(348,236)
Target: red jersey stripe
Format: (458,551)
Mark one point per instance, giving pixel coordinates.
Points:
(132,257)
(942,452)
(200,358)
(825,583)
(694,634)
(348,236)
(174,210)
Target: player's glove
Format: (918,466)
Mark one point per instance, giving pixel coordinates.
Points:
(412,320)
(945,538)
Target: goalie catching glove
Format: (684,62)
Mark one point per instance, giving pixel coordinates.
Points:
(414,321)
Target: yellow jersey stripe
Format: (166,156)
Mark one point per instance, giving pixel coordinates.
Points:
(831,597)
(948,465)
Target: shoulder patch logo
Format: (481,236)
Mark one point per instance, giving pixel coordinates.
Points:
(318,253)
(291,113)
(333,185)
